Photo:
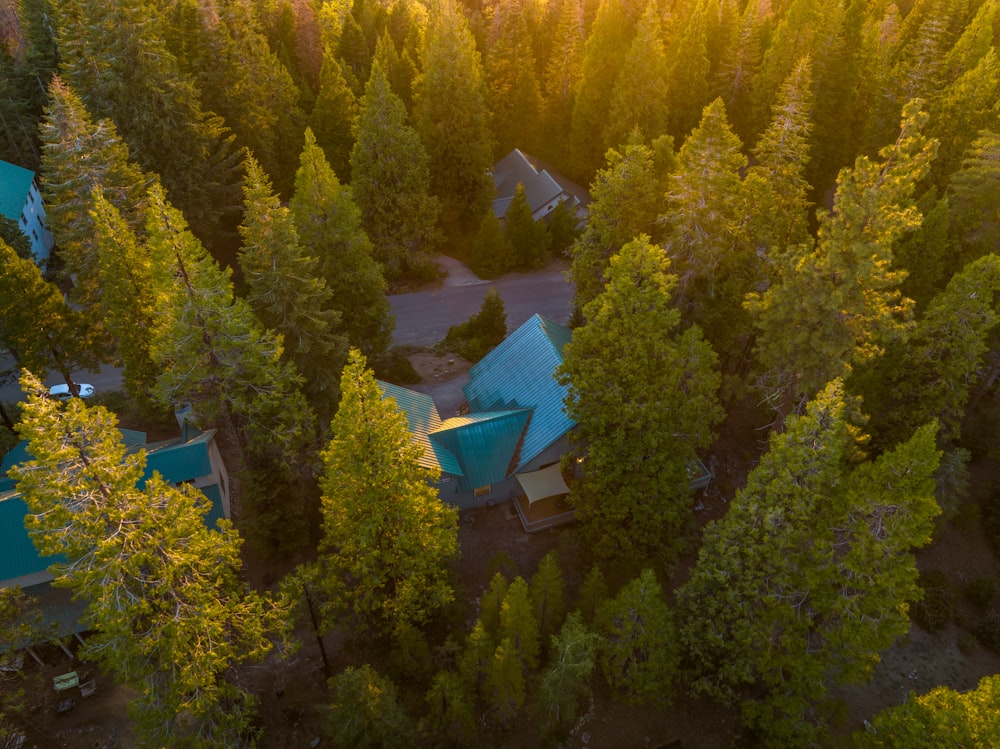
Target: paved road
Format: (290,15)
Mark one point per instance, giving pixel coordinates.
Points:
(423,317)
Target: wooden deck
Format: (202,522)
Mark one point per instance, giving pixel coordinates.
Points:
(543,514)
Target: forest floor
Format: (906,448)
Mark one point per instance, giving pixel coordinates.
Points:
(293,689)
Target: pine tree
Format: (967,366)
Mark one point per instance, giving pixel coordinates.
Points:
(529,239)
(286,293)
(518,625)
(390,178)
(79,155)
(169,614)
(837,542)
(332,118)
(849,277)
(514,93)
(505,684)
(707,234)
(366,712)
(387,537)
(642,411)
(625,201)
(451,114)
(123,269)
(491,254)
(115,57)
(563,70)
(491,604)
(248,87)
(638,653)
(566,681)
(212,351)
(687,80)
(640,93)
(603,55)
(329,226)
(547,595)
(973,196)
(451,706)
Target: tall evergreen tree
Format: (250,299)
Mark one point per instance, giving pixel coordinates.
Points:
(642,411)
(387,537)
(127,300)
(329,226)
(974,197)
(640,98)
(170,615)
(366,712)
(115,57)
(855,307)
(287,294)
(212,351)
(390,178)
(547,595)
(514,92)
(707,238)
(562,73)
(688,75)
(518,625)
(451,114)
(529,239)
(836,541)
(491,254)
(80,155)
(625,203)
(566,679)
(332,118)
(638,653)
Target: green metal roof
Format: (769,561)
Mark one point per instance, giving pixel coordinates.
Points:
(178,461)
(486,444)
(15,181)
(19,556)
(422,417)
(518,374)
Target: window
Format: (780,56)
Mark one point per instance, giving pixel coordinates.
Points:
(482,491)
(34,234)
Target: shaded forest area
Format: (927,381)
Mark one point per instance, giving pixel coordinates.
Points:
(791,240)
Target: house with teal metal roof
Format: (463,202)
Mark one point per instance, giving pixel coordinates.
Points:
(192,460)
(21,202)
(515,421)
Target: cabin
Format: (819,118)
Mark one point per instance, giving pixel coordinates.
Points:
(21,202)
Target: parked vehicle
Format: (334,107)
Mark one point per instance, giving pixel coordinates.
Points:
(62,392)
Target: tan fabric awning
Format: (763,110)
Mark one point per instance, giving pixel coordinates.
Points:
(547,482)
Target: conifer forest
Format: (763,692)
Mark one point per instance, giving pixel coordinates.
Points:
(788,270)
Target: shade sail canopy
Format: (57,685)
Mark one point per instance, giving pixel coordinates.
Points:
(547,482)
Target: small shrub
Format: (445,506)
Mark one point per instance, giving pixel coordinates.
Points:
(394,366)
(988,631)
(981,591)
(475,337)
(936,608)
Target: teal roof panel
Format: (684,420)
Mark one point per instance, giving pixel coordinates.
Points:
(15,181)
(486,444)
(178,462)
(422,418)
(518,374)
(19,557)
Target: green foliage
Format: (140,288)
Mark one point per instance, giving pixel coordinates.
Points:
(451,709)
(625,201)
(211,350)
(366,713)
(506,689)
(987,631)
(390,179)
(565,682)
(288,295)
(837,540)
(936,606)
(940,718)
(529,239)
(642,414)
(491,604)
(481,333)
(169,612)
(547,595)
(638,653)
(593,592)
(13,237)
(491,254)
(330,228)
(332,118)
(519,628)
(394,366)
(451,115)
(387,537)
